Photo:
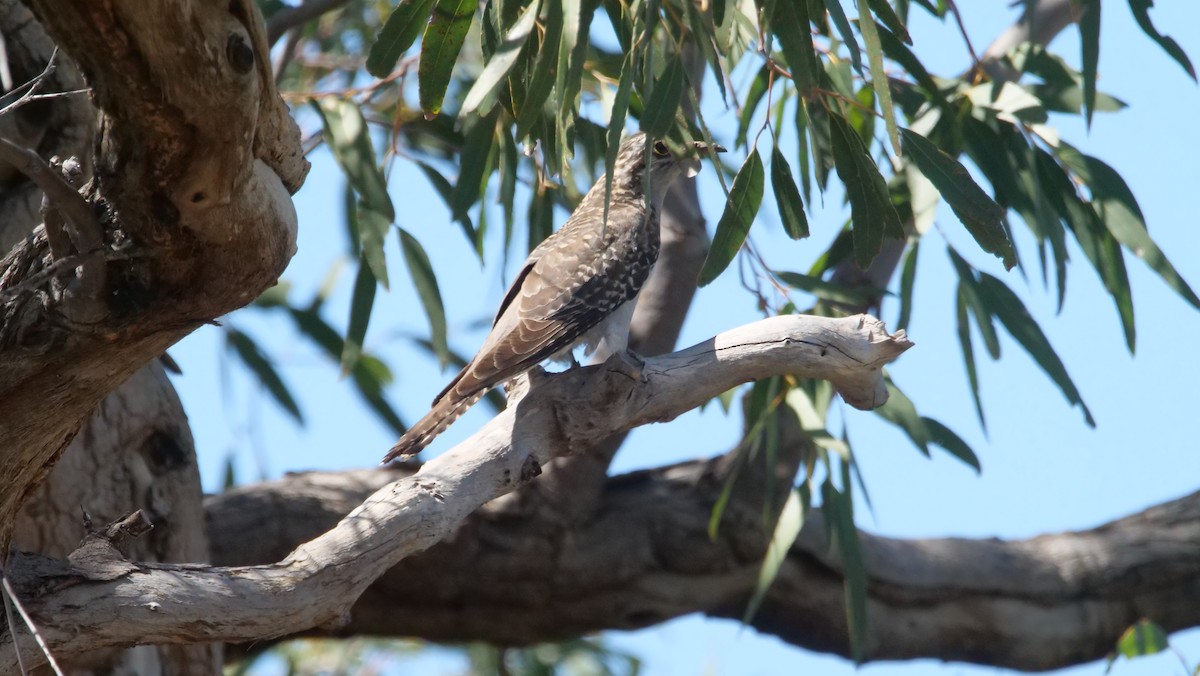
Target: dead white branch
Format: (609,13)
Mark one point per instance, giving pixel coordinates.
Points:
(317,583)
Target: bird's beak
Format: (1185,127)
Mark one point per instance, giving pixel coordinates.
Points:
(691,166)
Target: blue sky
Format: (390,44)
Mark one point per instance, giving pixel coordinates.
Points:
(1044,470)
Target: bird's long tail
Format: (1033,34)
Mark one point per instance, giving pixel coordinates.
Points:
(443,414)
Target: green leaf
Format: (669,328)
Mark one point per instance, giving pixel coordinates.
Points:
(740,209)
(787,197)
(247,350)
(908,277)
(664,99)
(968,288)
(349,138)
(1089,35)
(502,60)
(427,290)
(1143,638)
(968,351)
(900,411)
(616,125)
(1141,12)
(843,27)
(879,79)
(1011,312)
(943,436)
(1119,211)
(444,37)
(372,230)
(361,303)
(790,24)
(446,192)
(758,89)
(791,520)
(477,148)
(871,206)
(828,291)
(854,570)
(981,215)
(399,32)
(889,18)
(544,71)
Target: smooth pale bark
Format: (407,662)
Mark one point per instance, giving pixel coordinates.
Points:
(112,602)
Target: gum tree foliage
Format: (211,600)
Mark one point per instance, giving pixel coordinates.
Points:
(521,102)
(511,102)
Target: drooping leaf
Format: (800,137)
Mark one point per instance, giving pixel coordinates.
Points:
(349,138)
(406,22)
(1089,35)
(900,411)
(1011,312)
(1119,211)
(664,99)
(616,125)
(572,51)
(247,350)
(446,192)
(444,37)
(888,16)
(977,211)
(478,145)
(879,80)
(1141,12)
(502,60)
(372,230)
(963,328)
(740,209)
(425,281)
(705,35)
(545,71)
(839,512)
(790,22)
(943,436)
(791,520)
(787,197)
(838,15)
(828,291)
(969,289)
(908,277)
(895,50)
(870,204)
(754,96)
(361,302)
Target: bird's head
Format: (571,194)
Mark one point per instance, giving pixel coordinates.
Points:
(665,165)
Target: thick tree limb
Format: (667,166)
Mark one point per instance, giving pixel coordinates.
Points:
(193,171)
(316,584)
(515,578)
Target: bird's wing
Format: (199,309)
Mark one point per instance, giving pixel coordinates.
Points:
(569,285)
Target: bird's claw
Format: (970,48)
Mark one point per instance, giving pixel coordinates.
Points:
(627,363)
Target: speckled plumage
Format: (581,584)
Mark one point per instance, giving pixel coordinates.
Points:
(571,283)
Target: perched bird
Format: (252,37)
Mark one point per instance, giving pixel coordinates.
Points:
(578,287)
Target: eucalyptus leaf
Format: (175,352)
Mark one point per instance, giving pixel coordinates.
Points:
(402,28)
(444,38)
(740,209)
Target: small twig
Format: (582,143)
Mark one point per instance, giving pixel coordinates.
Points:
(11,600)
(285,19)
(975,64)
(64,196)
(21,95)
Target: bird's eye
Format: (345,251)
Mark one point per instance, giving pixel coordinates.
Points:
(660,149)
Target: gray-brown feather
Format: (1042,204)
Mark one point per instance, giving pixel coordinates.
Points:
(569,284)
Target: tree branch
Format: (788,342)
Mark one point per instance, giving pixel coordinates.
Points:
(514,578)
(316,584)
(193,173)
